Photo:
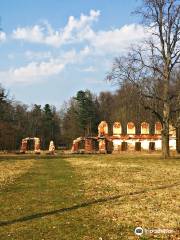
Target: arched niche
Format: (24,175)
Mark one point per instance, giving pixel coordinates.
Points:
(158,128)
(117,129)
(102,128)
(131,129)
(144,128)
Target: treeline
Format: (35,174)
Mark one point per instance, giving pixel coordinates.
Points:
(82,114)
(18,121)
(79,116)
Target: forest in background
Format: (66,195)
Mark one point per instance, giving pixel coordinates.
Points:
(79,116)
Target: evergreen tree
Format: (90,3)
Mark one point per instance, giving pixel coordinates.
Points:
(87,112)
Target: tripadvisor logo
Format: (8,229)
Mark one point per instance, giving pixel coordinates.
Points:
(138,231)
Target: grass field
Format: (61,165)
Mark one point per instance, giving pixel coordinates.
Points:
(88,197)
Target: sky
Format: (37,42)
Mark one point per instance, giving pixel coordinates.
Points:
(50,49)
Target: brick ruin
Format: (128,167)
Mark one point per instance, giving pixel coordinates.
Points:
(51,148)
(24,145)
(130,141)
(36,142)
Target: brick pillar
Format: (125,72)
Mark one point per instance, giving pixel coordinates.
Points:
(23,146)
(102,146)
(75,146)
(51,148)
(37,145)
(88,145)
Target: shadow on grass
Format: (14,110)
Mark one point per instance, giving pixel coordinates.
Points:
(82,205)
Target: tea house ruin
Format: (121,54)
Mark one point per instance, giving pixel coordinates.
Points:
(128,141)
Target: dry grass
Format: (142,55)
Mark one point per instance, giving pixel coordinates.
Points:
(80,189)
(104,176)
(12,169)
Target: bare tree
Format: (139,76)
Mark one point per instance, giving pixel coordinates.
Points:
(150,66)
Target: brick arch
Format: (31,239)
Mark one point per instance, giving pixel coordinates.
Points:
(24,144)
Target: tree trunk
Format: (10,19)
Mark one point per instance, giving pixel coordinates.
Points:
(165,141)
(166,115)
(178,139)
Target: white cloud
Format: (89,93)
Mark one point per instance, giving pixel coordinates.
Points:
(2,36)
(70,57)
(30,34)
(35,69)
(39,70)
(89,69)
(31,55)
(98,48)
(85,51)
(117,40)
(80,30)
(47,35)
(32,72)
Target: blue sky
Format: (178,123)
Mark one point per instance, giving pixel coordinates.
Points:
(50,49)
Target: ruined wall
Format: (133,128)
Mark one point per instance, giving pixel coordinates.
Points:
(158,128)
(117,129)
(37,145)
(24,145)
(143,141)
(103,129)
(130,141)
(144,128)
(131,129)
(23,148)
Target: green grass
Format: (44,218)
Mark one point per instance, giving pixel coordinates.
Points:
(90,197)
